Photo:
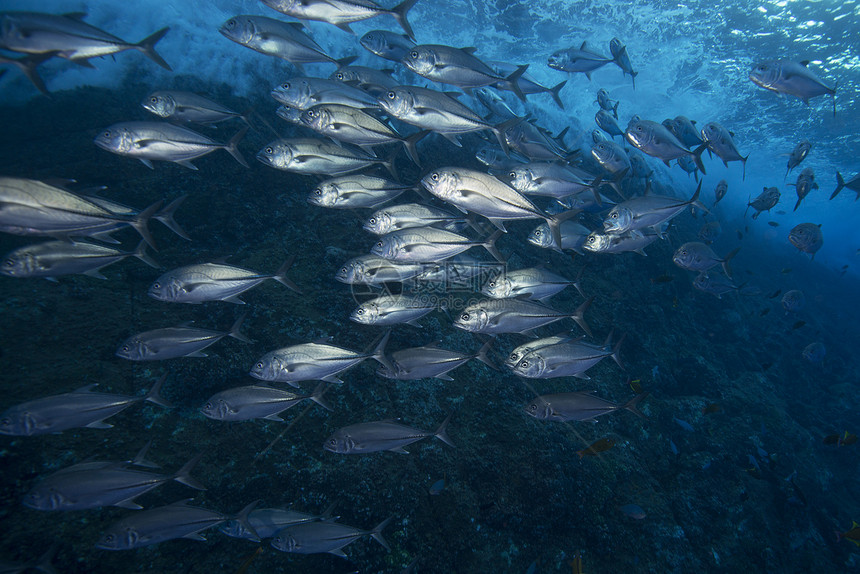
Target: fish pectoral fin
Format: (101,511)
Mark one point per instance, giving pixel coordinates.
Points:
(186,163)
(147,163)
(99,425)
(233,299)
(195,536)
(129,504)
(399,450)
(444,377)
(196,354)
(338,552)
(94,273)
(332,379)
(274,417)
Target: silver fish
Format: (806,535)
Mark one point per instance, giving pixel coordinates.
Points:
(526,348)
(657,141)
(715,284)
(374,82)
(710,231)
(316,361)
(268,521)
(494,316)
(814,352)
(580,406)
(257,402)
(316,156)
(68,36)
(292,115)
(342,13)
(607,123)
(533,283)
(57,258)
(720,190)
(647,211)
(355,191)
(622,59)
(853,184)
(534,142)
(213,282)
(549,179)
(565,359)
(495,159)
(80,408)
(606,104)
(719,140)
(797,155)
(793,301)
(96,484)
(459,272)
(688,164)
(187,107)
(584,60)
(177,520)
(324,536)
(403,216)
(805,184)
(284,40)
(807,237)
(633,240)
(458,67)
(765,201)
(386,44)
(163,141)
(612,157)
(430,361)
(375,270)
(639,164)
(695,256)
(792,78)
(573,236)
(494,103)
(389,310)
(378,436)
(429,244)
(175,342)
(685,130)
(303,93)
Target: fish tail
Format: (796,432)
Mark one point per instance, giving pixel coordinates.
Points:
(579,315)
(615,109)
(500,130)
(744,163)
(234,330)
(554,92)
(140,253)
(483,355)
(513,79)
(796,205)
(632,404)
(147,46)
(328,513)
(376,533)
(183,475)
(554,223)
(840,183)
(140,458)
(694,201)
(140,221)
(726,269)
(615,349)
(165,216)
(749,203)
(577,282)
(490,245)
(633,78)
(232,146)
(281,275)
(399,12)
(442,433)
(153,395)
(28,65)
(410,145)
(317,396)
(378,351)
(697,157)
(389,164)
(242,519)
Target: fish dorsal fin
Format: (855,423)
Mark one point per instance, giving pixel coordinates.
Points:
(469,50)
(454,95)
(584,45)
(804,63)
(297,25)
(75,15)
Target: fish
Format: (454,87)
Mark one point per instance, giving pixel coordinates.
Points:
(649,211)
(775,294)
(374,82)
(77,409)
(566,359)
(317,156)
(720,141)
(605,102)
(716,285)
(96,484)
(266,522)
(188,107)
(685,130)
(851,535)
(494,316)
(548,179)
(853,184)
(797,155)
(459,67)
(459,272)
(657,141)
(765,201)
(633,511)
(805,184)
(177,520)
(375,270)
(791,78)
(607,123)
(377,436)
(695,256)
(527,84)
(148,141)
(683,424)
(634,240)
(175,342)
(710,231)
(68,36)
(814,352)
(666,278)
(494,103)
(640,165)
(807,237)
(387,310)
(622,59)
(793,301)
(773,223)
(535,142)
(612,157)
(524,349)
(429,244)
(495,159)
(284,40)
(688,164)
(431,361)
(764,312)
(720,191)
(406,215)
(595,448)
(533,283)
(342,13)
(578,60)
(355,191)
(437,487)
(324,536)
(315,361)
(57,258)
(386,44)
(798,325)
(204,282)
(257,402)
(302,93)
(636,386)
(578,406)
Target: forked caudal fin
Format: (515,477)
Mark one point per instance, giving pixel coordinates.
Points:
(147,46)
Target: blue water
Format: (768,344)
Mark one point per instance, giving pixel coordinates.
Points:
(515,490)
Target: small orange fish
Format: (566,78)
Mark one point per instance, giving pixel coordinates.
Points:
(852,535)
(576,564)
(847,438)
(711,408)
(596,447)
(636,386)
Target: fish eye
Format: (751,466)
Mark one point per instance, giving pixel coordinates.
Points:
(207,406)
(339,76)
(269,150)
(414,53)
(286,85)
(614,216)
(532,407)
(231,23)
(317,191)
(524,364)
(591,239)
(153,99)
(126,348)
(156,285)
(108,537)
(538,232)
(360,311)
(372,221)
(492,283)
(512,174)
(259,365)
(332,442)
(464,316)
(513,356)
(391,95)
(639,128)
(434,176)
(106,134)
(379,244)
